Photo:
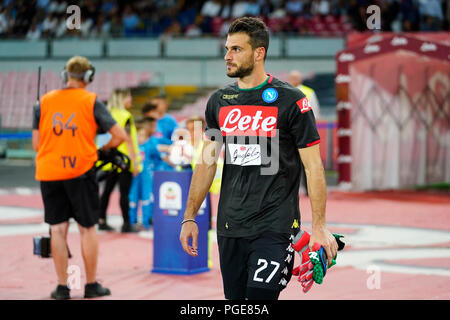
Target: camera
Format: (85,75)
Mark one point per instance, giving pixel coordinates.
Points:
(42,247)
(117,159)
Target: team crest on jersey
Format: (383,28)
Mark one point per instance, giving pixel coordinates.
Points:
(270,95)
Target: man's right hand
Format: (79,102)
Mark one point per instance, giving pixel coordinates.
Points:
(189,230)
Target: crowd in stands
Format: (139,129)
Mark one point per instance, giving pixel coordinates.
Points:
(42,19)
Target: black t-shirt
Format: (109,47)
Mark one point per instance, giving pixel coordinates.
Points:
(262,129)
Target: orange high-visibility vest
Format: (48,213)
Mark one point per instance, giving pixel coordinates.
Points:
(67,130)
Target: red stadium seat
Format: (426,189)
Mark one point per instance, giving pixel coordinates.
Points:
(216,24)
(18,91)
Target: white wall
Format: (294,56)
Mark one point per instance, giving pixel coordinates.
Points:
(200,72)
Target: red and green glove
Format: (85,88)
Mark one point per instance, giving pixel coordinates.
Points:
(313,264)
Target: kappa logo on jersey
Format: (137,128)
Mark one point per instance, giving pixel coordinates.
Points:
(270,95)
(248,121)
(304,105)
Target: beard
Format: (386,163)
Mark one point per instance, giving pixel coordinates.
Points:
(242,71)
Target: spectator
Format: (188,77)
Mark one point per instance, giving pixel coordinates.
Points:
(356,15)
(279,12)
(107,7)
(42,4)
(49,25)
(86,26)
(101,28)
(194,30)
(239,9)
(58,7)
(23,17)
(225,11)
(294,8)
(253,8)
(116,28)
(409,15)
(130,20)
(431,15)
(172,17)
(320,7)
(4,27)
(34,33)
(266,8)
(211,8)
(62,31)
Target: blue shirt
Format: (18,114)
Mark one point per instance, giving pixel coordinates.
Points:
(154,155)
(166,126)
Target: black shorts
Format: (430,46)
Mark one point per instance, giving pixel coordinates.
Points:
(255,268)
(77,198)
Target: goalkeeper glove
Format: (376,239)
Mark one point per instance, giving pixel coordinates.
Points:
(313,264)
(304,270)
(319,260)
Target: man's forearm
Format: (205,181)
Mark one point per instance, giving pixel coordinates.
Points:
(118,135)
(35,139)
(202,179)
(317,191)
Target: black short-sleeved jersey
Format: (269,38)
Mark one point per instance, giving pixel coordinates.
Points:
(262,129)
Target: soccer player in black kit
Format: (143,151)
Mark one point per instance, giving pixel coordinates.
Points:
(267,127)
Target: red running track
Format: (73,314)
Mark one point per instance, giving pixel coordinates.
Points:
(125,261)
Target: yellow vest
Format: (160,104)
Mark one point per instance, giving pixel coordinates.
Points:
(306,90)
(215,186)
(122,116)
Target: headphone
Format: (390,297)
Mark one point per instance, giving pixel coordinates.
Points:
(87,76)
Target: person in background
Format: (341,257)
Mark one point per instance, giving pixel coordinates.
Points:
(196,126)
(118,103)
(295,79)
(166,124)
(181,150)
(65,123)
(159,141)
(142,185)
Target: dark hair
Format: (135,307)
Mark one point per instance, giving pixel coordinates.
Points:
(148,119)
(255,28)
(148,106)
(143,122)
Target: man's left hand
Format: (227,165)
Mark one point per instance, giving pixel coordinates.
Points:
(326,239)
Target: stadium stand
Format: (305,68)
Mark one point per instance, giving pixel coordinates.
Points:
(45,19)
(18,91)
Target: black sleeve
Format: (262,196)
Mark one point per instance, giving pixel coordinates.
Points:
(103,117)
(36,115)
(211,116)
(301,122)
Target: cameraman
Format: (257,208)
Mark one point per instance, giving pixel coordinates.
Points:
(65,124)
